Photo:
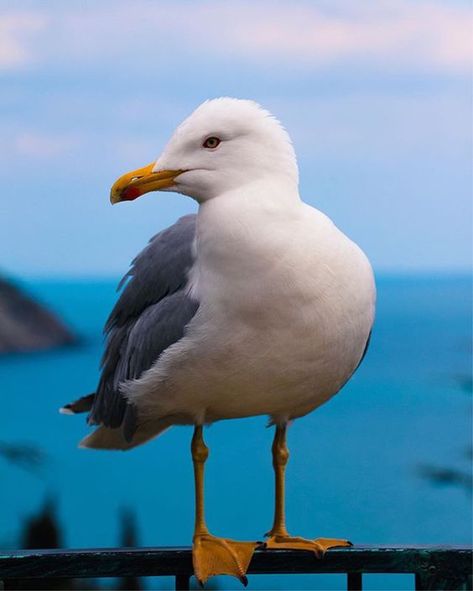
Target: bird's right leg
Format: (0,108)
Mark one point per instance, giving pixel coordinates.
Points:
(278,537)
(211,555)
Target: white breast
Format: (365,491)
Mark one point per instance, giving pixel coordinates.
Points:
(287,304)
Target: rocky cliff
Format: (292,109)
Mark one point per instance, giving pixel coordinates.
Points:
(25,325)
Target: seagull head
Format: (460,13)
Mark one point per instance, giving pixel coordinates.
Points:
(222,146)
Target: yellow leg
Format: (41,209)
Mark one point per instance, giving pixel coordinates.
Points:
(211,555)
(278,537)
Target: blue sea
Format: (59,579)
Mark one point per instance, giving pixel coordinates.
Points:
(358,464)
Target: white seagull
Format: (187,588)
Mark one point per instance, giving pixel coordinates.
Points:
(257,305)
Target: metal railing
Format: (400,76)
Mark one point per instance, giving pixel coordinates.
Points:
(434,567)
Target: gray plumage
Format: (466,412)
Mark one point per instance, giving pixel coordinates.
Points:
(150,315)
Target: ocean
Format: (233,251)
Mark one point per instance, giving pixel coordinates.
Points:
(384,462)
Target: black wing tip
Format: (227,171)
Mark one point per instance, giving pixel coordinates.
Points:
(81,405)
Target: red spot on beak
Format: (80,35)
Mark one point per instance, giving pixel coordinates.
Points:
(130,193)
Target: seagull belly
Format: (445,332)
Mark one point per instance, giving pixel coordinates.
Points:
(281,345)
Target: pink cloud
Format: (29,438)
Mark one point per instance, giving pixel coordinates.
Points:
(426,35)
(15,32)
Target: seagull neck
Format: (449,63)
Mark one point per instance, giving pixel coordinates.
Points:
(246,225)
(274,193)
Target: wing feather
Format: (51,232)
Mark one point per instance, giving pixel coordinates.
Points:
(150,315)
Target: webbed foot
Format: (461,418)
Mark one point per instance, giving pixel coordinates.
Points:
(220,556)
(318,546)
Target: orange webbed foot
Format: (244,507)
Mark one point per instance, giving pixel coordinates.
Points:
(318,546)
(220,556)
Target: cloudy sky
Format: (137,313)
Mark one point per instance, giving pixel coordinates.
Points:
(376,95)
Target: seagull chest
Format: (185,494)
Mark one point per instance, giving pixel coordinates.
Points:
(279,337)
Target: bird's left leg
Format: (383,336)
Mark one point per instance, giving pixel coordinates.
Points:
(278,537)
(212,555)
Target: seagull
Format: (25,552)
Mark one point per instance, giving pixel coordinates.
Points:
(257,305)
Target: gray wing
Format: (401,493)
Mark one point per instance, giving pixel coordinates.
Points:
(150,315)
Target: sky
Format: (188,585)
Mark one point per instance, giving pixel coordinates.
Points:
(376,96)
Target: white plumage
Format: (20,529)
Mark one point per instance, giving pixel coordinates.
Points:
(286,307)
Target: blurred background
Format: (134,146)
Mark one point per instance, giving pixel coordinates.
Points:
(377,98)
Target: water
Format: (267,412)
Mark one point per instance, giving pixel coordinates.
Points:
(354,467)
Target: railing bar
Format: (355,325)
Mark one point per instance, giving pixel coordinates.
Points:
(419,583)
(182,582)
(354,582)
(429,562)
(423,582)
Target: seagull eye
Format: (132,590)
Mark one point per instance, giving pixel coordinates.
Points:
(211,142)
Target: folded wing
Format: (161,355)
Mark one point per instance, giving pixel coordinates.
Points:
(151,314)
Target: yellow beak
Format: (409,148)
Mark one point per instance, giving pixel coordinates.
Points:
(143,180)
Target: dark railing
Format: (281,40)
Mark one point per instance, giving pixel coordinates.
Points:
(434,567)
